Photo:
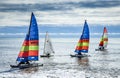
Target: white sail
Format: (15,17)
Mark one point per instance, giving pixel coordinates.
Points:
(105,36)
(48,48)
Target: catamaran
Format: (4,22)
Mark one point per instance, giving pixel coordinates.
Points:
(83,43)
(104,41)
(30,48)
(48,48)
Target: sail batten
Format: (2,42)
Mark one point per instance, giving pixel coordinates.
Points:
(30,47)
(83,43)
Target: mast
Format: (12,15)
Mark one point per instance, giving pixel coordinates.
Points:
(30,23)
(48,45)
(45,42)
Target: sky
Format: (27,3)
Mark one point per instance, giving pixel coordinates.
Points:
(96,12)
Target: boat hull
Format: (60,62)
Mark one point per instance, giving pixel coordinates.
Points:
(80,56)
(26,66)
(46,55)
(100,49)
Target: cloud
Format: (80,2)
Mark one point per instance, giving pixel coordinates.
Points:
(5,7)
(96,4)
(17,13)
(31,7)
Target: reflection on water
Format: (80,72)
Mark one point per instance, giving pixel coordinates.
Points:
(84,61)
(47,60)
(98,65)
(29,70)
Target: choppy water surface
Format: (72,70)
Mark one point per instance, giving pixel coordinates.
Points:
(98,64)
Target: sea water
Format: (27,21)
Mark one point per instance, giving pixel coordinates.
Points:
(98,65)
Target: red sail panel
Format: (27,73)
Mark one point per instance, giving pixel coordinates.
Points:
(84,40)
(101,42)
(105,39)
(31,42)
(25,53)
(82,47)
(105,30)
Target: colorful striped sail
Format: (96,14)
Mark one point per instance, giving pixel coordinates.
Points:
(104,39)
(30,47)
(83,43)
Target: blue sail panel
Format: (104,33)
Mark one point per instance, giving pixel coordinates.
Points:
(22,59)
(79,51)
(35,58)
(85,33)
(27,37)
(33,29)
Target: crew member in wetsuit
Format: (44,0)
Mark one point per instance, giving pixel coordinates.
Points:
(48,54)
(79,53)
(27,62)
(101,48)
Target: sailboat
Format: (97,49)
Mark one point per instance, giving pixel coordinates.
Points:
(30,48)
(83,43)
(104,41)
(48,48)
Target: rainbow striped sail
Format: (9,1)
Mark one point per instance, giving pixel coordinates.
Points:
(83,43)
(104,40)
(30,47)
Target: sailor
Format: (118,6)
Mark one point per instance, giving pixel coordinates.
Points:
(79,53)
(27,62)
(48,54)
(101,48)
(21,63)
